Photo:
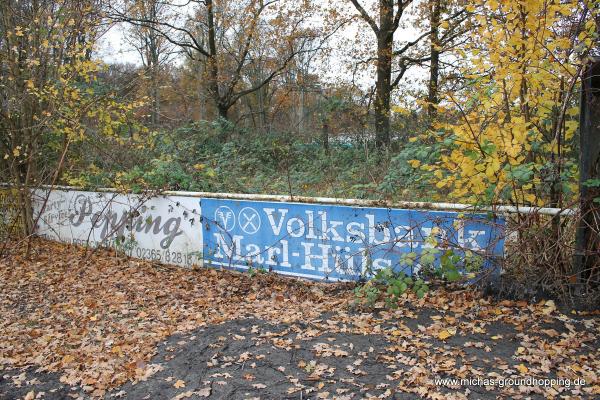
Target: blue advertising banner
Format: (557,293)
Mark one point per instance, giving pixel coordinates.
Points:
(321,241)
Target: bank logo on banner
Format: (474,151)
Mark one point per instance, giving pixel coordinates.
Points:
(249,220)
(322,241)
(225,217)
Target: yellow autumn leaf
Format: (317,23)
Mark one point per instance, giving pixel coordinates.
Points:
(68,359)
(399,110)
(530,198)
(549,307)
(179,384)
(522,369)
(576,368)
(445,334)
(414,163)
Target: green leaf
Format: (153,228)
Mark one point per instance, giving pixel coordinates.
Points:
(452,275)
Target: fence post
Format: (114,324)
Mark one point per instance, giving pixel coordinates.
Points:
(587,251)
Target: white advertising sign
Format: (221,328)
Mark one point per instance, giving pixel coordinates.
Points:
(163,228)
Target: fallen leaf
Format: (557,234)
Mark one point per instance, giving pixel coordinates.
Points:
(551,332)
(443,335)
(549,307)
(183,395)
(179,384)
(522,369)
(67,359)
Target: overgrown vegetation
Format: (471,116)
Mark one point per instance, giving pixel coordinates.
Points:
(391,283)
(195,158)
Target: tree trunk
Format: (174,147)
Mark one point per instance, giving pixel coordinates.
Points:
(325,136)
(383,86)
(199,71)
(154,60)
(213,68)
(434,68)
(155,112)
(301,111)
(262,108)
(223,111)
(587,254)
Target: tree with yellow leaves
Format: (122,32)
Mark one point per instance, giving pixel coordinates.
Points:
(515,116)
(48,95)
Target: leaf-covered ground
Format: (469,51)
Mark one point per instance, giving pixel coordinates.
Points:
(117,328)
